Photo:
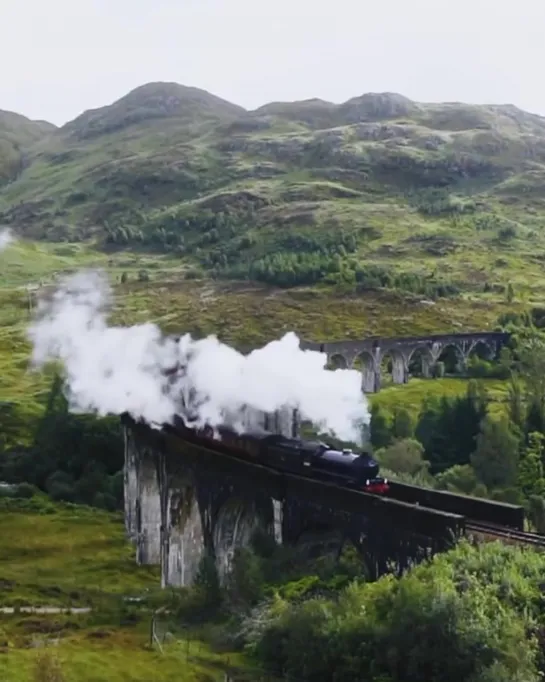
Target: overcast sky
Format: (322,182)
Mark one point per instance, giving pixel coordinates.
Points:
(60,57)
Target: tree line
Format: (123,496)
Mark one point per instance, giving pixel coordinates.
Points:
(72,457)
(225,244)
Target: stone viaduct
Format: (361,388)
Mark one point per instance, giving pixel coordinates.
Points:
(368,355)
(184,502)
(162,508)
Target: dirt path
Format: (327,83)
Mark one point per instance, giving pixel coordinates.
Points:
(43,609)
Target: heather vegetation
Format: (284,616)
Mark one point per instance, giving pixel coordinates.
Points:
(380,193)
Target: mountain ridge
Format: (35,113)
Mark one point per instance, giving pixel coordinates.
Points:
(369,96)
(375,105)
(377,191)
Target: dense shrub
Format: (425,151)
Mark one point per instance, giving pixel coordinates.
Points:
(468,616)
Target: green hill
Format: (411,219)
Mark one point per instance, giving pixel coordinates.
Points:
(17,135)
(431,204)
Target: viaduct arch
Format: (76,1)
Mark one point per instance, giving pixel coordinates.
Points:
(369,355)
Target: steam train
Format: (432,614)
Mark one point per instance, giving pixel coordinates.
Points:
(313,459)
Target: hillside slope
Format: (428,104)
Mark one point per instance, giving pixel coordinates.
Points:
(17,134)
(380,191)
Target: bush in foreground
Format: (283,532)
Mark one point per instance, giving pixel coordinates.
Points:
(472,615)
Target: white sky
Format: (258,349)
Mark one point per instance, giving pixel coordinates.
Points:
(60,57)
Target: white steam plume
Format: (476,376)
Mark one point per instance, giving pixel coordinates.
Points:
(111,370)
(6,238)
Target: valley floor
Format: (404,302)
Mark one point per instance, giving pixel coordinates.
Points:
(70,556)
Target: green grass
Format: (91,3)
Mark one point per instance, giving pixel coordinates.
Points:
(246,314)
(64,555)
(99,654)
(59,555)
(411,396)
(39,264)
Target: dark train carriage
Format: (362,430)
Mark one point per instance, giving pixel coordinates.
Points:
(289,454)
(292,455)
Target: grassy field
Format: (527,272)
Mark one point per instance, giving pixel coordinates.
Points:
(106,655)
(67,555)
(245,315)
(411,395)
(75,556)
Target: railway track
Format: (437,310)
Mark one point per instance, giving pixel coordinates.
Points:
(501,532)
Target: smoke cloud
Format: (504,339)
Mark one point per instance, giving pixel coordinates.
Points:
(111,370)
(6,238)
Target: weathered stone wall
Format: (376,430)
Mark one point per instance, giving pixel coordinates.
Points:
(173,523)
(183,539)
(212,504)
(142,503)
(130,482)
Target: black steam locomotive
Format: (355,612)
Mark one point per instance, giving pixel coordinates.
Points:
(307,458)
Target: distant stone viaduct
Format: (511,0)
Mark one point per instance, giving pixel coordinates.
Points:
(368,355)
